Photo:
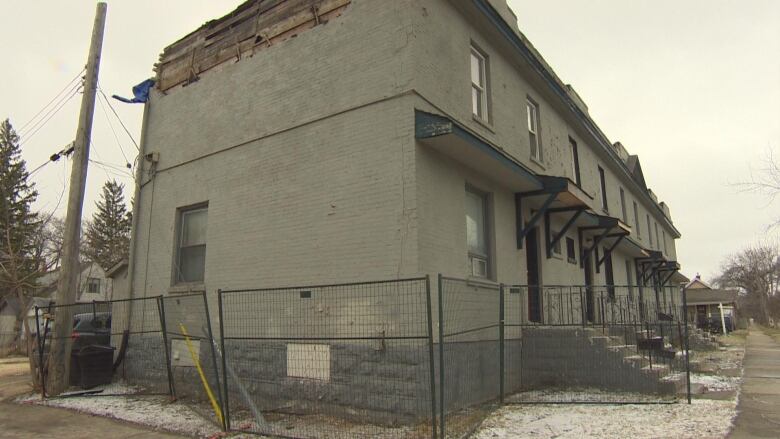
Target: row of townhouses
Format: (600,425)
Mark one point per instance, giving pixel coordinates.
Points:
(382,140)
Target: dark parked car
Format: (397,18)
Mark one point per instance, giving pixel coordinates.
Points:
(715,326)
(91,329)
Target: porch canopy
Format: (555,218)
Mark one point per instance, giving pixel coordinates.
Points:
(711,297)
(600,229)
(657,264)
(549,194)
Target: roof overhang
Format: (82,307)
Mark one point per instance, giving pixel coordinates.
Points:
(449,138)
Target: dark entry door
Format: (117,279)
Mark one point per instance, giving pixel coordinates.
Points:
(608,274)
(532,267)
(588,264)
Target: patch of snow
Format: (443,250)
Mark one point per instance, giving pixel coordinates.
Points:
(713,383)
(153,411)
(703,418)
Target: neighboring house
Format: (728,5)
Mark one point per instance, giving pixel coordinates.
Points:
(706,306)
(94,284)
(9,312)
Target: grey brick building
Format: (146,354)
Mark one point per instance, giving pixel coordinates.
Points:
(316,141)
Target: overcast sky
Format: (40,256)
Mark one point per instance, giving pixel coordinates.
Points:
(693,87)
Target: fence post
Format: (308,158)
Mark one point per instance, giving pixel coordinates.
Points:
(164,330)
(214,359)
(226,408)
(40,350)
(442,432)
(501,342)
(687,347)
(430,353)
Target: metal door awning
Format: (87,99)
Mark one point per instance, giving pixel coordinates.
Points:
(602,227)
(558,195)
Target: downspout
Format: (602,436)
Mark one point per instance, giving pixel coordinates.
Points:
(136,208)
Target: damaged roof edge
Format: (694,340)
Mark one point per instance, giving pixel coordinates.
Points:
(530,54)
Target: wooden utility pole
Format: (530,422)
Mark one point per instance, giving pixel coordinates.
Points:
(67,284)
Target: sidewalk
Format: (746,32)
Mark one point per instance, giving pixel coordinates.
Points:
(759,402)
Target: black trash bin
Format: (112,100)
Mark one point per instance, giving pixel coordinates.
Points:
(95,366)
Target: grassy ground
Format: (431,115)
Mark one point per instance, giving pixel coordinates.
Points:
(735,338)
(772,332)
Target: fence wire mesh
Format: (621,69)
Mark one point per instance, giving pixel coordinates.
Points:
(330,361)
(554,344)
(108,339)
(193,358)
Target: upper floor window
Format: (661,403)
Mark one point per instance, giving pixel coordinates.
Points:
(479,99)
(657,240)
(533,129)
(623,210)
(191,245)
(93,285)
(649,229)
(636,221)
(477,232)
(603,182)
(663,235)
(575,161)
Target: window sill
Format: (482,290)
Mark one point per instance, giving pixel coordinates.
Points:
(485,124)
(558,256)
(187,288)
(538,162)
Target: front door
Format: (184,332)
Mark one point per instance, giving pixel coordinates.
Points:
(588,264)
(532,267)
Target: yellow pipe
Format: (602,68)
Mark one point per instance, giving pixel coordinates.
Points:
(195,360)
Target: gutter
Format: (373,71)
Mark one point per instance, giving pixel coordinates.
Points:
(136,208)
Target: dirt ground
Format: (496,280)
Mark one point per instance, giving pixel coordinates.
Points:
(32,421)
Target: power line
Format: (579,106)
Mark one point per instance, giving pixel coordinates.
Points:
(110,125)
(119,118)
(54,157)
(55,110)
(52,100)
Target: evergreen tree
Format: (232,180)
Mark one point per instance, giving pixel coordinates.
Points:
(19,261)
(107,237)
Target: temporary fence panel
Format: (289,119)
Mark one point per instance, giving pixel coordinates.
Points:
(610,344)
(470,350)
(553,344)
(130,327)
(192,348)
(330,361)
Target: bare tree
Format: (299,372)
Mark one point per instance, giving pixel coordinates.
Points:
(765,181)
(756,272)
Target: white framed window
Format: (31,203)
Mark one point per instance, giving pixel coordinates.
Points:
(603,182)
(532,111)
(663,236)
(190,261)
(649,229)
(479,85)
(575,161)
(657,240)
(623,209)
(636,220)
(629,278)
(93,285)
(477,233)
